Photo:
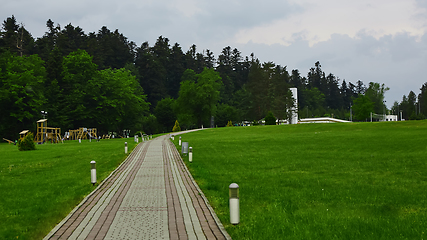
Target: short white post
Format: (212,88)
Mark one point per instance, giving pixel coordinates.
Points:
(126,147)
(190,155)
(80,141)
(93,172)
(234,203)
(179,141)
(173,138)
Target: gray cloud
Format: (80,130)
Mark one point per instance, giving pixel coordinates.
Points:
(398,61)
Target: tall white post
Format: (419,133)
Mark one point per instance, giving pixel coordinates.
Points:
(234,203)
(93,172)
(294,108)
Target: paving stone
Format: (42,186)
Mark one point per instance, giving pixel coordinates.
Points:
(150,196)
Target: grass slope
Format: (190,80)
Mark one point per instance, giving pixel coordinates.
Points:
(39,188)
(317,181)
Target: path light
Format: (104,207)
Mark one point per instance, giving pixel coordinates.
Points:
(190,155)
(93,172)
(80,141)
(184,148)
(173,138)
(126,147)
(234,203)
(179,141)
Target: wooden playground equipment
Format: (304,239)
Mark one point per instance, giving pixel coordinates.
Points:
(23,134)
(81,133)
(45,133)
(7,140)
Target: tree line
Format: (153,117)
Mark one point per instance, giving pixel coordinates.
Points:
(103,80)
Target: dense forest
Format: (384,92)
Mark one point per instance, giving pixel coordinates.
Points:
(103,80)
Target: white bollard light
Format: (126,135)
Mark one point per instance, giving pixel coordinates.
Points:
(126,147)
(80,141)
(234,203)
(173,138)
(179,141)
(93,172)
(190,155)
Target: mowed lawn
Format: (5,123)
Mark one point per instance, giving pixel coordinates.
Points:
(39,188)
(317,181)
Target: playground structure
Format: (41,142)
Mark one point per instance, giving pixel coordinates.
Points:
(45,133)
(23,134)
(7,140)
(81,133)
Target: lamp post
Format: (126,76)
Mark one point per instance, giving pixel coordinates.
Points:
(44,114)
(234,203)
(190,154)
(384,101)
(93,172)
(126,147)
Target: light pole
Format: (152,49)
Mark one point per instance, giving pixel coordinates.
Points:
(44,114)
(384,101)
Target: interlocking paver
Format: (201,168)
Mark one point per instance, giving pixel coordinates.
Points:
(150,196)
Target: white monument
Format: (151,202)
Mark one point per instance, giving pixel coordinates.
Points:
(294,109)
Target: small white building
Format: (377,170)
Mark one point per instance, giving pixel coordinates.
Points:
(390,118)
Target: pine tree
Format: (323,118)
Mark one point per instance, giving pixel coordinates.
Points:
(176,128)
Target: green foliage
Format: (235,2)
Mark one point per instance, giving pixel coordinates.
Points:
(176,127)
(165,113)
(21,92)
(224,114)
(375,93)
(115,100)
(362,108)
(27,143)
(78,71)
(270,119)
(150,124)
(198,98)
(330,181)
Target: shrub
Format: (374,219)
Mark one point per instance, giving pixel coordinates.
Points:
(270,119)
(27,143)
(229,124)
(176,128)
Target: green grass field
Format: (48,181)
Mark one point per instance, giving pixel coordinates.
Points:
(39,188)
(317,181)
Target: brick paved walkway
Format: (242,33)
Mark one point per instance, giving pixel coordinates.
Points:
(150,196)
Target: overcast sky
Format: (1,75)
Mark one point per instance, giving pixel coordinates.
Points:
(381,41)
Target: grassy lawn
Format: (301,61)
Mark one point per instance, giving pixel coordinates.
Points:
(39,188)
(317,181)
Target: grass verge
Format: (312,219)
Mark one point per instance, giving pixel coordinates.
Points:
(39,188)
(317,181)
